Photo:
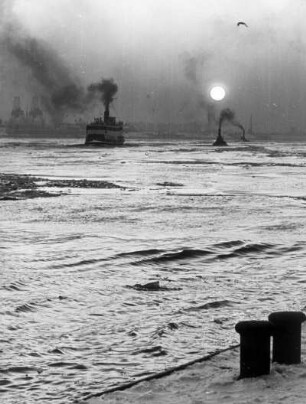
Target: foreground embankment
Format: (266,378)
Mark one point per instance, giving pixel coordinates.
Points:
(214,380)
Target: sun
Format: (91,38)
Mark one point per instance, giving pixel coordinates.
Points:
(217,93)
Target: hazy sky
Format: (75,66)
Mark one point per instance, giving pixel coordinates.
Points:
(165,55)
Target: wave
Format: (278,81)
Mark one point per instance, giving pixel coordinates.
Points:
(140,252)
(21,369)
(217,251)
(270,250)
(226,244)
(69,365)
(174,256)
(14,287)
(27,307)
(151,351)
(248,249)
(210,305)
(36,305)
(79,263)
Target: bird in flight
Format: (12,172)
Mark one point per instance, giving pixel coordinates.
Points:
(242,23)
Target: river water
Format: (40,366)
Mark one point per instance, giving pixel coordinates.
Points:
(221,229)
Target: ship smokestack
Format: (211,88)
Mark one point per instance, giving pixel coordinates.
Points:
(243,138)
(225,114)
(106,112)
(106,90)
(219,141)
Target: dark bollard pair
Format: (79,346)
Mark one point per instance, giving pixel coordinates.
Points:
(255,342)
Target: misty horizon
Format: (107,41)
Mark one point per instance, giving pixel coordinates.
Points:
(163,58)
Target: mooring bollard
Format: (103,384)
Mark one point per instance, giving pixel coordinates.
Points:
(287,336)
(254,347)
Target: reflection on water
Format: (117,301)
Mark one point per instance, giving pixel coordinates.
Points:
(221,230)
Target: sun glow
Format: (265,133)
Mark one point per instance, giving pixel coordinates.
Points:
(217,93)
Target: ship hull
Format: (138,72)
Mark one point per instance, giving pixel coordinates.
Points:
(108,136)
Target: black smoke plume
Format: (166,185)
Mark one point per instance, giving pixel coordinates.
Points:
(60,91)
(105,90)
(229,115)
(226,115)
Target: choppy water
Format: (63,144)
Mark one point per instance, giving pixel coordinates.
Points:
(222,230)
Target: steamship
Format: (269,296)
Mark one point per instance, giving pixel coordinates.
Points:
(105,131)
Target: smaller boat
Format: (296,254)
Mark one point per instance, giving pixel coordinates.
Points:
(219,141)
(105,131)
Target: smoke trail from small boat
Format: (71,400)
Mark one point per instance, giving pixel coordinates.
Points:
(227,114)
